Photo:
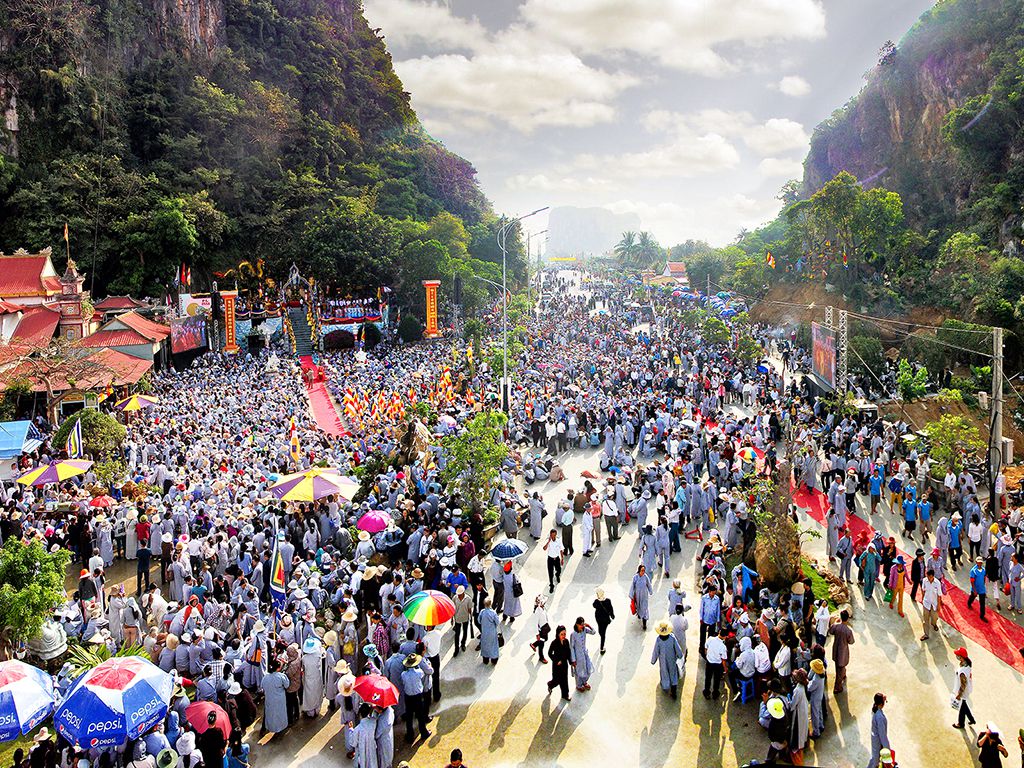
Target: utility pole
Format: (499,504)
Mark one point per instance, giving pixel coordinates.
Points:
(995,447)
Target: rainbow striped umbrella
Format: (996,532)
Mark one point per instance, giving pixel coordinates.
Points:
(136,403)
(747,453)
(429,608)
(55,471)
(314,484)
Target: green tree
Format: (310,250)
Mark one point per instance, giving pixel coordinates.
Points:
(102,434)
(911,384)
(868,357)
(350,246)
(627,248)
(31,586)
(475,456)
(715,331)
(410,329)
(953,441)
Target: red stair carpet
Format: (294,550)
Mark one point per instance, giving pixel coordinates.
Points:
(324,411)
(1000,636)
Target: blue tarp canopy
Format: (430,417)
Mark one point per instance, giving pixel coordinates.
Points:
(13,437)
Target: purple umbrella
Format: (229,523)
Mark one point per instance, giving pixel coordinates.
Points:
(313,484)
(374,521)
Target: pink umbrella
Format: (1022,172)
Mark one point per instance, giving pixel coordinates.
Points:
(374,521)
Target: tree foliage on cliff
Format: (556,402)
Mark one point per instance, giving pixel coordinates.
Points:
(277,131)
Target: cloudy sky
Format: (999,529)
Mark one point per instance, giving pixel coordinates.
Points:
(690,113)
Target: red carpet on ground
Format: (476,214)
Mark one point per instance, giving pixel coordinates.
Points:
(1000,636)
(324,410)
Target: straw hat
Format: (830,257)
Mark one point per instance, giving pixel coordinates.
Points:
(798,588)
(817,666)
(364,536)
(171,642)
(347,684)
(330,637)
(417,573)
(663,628)
(349,615)
(342,667)
(259,626)
(412,660)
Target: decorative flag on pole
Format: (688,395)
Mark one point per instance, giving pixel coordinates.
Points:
(846,261)
(769,259)
(66,237)
(294,440)
(277,579)
(74,444)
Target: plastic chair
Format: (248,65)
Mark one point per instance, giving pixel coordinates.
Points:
(746,690)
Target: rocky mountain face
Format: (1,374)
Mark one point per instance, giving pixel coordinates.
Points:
(919,116)
(210,132)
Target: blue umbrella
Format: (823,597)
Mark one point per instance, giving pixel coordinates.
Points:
(723,294)
(120,699)
(26,698)
(508,549)
(728,313)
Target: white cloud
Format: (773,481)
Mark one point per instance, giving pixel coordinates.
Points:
(542,182)
(550,88)
(772,167)
(775,136)
(793,85)
(680,34)
(408,22)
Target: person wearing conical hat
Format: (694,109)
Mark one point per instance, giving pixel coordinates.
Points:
(667,655)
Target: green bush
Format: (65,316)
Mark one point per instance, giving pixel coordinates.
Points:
(911,385)
(102,434)
(410,329)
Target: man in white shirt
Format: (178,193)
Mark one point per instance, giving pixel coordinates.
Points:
(717,657)
(931,595)
(553,548)
(432,650)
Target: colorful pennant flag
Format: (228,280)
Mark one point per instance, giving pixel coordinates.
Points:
(74,444)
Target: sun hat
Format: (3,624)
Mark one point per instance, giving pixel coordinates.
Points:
(234,689)
(776,708)
(349,615)
(663,628)
(412,660)
(817,666)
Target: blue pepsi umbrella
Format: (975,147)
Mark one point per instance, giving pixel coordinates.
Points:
(26,698)
(120,699)
(508,549)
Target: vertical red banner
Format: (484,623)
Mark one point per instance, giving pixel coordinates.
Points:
(230,343)
(431,287)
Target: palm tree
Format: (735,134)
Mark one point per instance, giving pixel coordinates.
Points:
(648,252)
(626,249)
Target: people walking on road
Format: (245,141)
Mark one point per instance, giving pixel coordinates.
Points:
(978,588)
(640,592)
(582,666)
(604,614)
(560,654)
(879,730)
(963,685)
(668,656)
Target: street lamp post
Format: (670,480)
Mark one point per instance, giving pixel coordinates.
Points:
(502,236)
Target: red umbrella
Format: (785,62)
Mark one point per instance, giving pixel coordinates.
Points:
(376,690)
(102,501)
(198,716)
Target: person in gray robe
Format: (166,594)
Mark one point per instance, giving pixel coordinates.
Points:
(640,592)
(582,666)
(511,605)
(879,730)
(667,655)
(312,676)
(648,555)
(275,701)
(536,516)
(489,623)
(816,697)
(254,662)
(364,741)
(385,737)
(801,712)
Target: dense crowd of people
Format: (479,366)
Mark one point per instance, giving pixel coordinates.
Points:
(683,432)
